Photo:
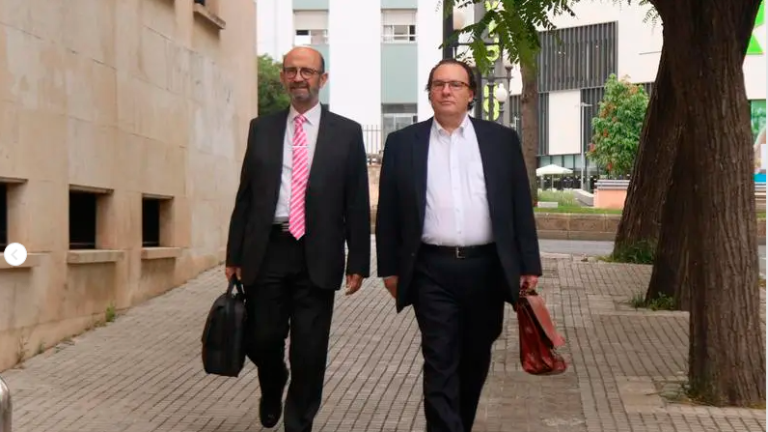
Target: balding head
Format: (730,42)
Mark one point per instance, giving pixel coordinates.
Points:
(313,55)
(303,76)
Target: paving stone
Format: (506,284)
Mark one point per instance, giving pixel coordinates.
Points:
(143,373)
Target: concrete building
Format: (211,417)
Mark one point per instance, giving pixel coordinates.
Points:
(122,128)
(378,54)
(605,38)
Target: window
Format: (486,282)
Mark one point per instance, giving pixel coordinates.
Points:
(82,219)
(155,221)
(3,215)
(150,222)
(398,25)
(397,116)
(311,37)
(399,33)
(208,11)
(577,57)
(311,27)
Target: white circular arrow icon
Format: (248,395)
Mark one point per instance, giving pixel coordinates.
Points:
(15,254)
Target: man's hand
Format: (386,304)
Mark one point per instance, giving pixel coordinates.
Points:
(229,271)
(354,282)
(390,283)
(528,282)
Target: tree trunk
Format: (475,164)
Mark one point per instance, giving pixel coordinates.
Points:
(708,40)
(670,265)
(662,131)
(639,225)
(530,125)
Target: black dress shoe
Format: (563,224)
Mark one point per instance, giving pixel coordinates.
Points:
(271,405)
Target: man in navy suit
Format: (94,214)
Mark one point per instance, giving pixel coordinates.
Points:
(455,238)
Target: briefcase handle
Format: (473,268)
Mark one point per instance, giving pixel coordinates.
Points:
(235,283)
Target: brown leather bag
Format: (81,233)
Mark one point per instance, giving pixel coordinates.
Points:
(538,337)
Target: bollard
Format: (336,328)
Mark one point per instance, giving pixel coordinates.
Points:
(5,407)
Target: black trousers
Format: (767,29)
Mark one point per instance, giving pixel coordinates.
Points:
(459,306)
(284,301)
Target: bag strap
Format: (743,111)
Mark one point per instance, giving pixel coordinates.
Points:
(235,283)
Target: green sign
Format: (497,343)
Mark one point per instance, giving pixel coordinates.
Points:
(755,48)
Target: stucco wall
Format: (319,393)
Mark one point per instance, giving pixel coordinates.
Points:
(124,98)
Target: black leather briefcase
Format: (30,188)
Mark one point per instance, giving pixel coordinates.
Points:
(224,334)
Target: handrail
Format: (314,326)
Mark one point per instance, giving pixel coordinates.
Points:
(5,407)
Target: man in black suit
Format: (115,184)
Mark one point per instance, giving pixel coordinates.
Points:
(455,237)
(303,193)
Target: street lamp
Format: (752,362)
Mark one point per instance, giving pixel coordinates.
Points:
(501,94)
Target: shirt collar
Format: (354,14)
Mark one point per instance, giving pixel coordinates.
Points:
(312,116)
(462,129)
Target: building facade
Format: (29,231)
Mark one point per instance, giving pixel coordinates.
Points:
(122,130)
(601,39)
(378,54)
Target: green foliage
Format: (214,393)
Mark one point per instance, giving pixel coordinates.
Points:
(640,252)
(513,26)
(509,26)
(660,303)
(618,125)
(272,95)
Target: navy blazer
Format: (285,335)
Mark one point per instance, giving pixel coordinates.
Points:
(402,203)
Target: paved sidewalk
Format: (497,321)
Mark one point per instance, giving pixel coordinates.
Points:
(143,372)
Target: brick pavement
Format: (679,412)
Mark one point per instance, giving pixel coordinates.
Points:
(143,372)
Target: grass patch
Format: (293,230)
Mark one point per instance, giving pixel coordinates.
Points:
(661,302)
(577,210)
(642,252)
(562,198)
(680,392)
(110,314)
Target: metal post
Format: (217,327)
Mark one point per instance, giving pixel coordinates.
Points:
(447,30)
(5,407)
(581,143)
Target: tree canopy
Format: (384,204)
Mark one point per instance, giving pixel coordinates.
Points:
(272,95)
(516,25)
(618,125)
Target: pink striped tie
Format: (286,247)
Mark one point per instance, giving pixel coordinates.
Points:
(298,178)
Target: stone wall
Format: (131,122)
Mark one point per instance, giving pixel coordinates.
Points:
(125,100)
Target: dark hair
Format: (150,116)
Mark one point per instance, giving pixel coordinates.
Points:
(470,74)
(322,59)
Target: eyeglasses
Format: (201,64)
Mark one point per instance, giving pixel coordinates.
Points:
(306,73)
(454,85)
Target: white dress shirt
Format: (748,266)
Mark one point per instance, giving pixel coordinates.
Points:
(457,206)
(310,126)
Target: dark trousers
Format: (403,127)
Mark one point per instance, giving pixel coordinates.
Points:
(460,310)
(283,300)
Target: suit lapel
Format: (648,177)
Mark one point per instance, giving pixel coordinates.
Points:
(275,141)
(324,154)
(420,156)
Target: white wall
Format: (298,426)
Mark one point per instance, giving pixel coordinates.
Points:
(754,68)
(274,27)
(639,44)
(564,127)
(429,25)
(639,49)
(354,37)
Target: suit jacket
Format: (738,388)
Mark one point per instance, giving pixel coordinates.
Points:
(402,203)
(337,206)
